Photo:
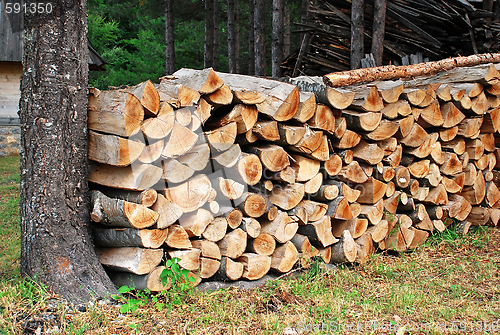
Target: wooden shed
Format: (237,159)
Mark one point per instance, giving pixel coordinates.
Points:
(11,68)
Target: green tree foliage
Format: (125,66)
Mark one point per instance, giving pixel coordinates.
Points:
(130,36)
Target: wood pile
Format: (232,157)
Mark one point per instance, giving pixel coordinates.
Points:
(424,29)
(238,176)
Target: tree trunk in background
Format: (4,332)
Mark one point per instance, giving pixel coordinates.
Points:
(56,244)
(237,37)
(169,38)
(357,33)
(286,27)
(304,15)
(378,31)
(277,41)
(260,38)
(251,37)
(231,37)
(209,33)
(216,35)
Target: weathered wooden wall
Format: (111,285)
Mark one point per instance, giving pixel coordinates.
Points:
(11,32)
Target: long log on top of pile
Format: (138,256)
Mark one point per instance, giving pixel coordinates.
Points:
(238,176)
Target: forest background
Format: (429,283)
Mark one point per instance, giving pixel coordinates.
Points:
(130,36)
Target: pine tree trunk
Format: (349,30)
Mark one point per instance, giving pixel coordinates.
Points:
(260,38)
(378,31)
(231,37)
(215,63)
(56,240)
(251,37)
(209,34)
(277,41)
(357,50)
(169,38)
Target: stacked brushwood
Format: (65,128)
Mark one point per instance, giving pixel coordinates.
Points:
(237,176)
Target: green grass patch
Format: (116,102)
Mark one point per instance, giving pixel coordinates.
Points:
(10,232)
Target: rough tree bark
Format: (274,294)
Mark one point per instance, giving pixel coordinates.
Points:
(237,36)
(380,7)
(231,37)
(286,31)
(169,38)
(251,37)
(216,35)
(277,41)
(357,18)
(209,33)
(260,38)
(56,243)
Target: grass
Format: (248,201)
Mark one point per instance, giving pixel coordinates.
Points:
(451,281)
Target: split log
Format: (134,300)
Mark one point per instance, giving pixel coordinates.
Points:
(146,198)
(175,172)
(222,138)
(137,177)
(254,266)
(370,101)
(221,97)
(273,157)
(307,107)
(287,197)
(216,230)
(115,112)
(344,251)
(177,95)
(160,126)
(348,140)
(196,222)
(245,117)
(437,196)
(208,249)
(130,259)
(355,226)
(284,257)
(371,191)
(266,130)
(475,194)
(226,159)
(305,168)
(374,213)
(399,108)
(394,158)
(365,121)
(191,195)
(448,134)
(419,169)
(339,209)
(197,158)
(181,141)
(152,152)
(168,212)
(336,97)
(113,150)
(151,281)
(402,176)
(369,153)
(333,165)
(120,213)
(189,259)
(264,244)
(130,237)
(314,211)
(415,138)
(379,232)
(319,232)
(452,165)
(419,238)
(323,119)
(204,81)
(353,173)
(233,244)
(365,248)
(249,168)
(282,228)
(290,135)
(251,226)
(405,126)
(311,141)
(281,99)
(229,270)
(313,185)
(385,130)
(178,238)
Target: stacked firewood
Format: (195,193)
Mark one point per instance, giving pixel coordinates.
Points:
(238,176)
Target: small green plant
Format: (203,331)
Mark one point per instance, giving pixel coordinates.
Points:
(131,304)
(177,276)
